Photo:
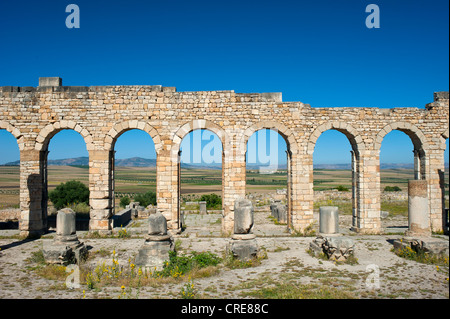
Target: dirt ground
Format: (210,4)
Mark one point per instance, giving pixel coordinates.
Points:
(287,264)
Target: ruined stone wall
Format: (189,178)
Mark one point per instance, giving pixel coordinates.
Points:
(102,113)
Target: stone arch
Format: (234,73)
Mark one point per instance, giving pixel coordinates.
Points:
(284,131)
(292,151)
(41,145)
(417,137)
(120,128)
(419,142)
(15,132)
(358,146)
(350,132)
(177,137)
(46,134)
(195,125)
(109,143)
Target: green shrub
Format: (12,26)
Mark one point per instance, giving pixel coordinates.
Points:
(212,200)
(124,201)
(392,189)
(205,259)
(69,193)
(342,188)
(178,266)
(146,199)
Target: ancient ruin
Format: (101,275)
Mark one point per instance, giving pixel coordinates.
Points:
(65,247)
(157,245)
(329,220)
(243,244)
(33,115)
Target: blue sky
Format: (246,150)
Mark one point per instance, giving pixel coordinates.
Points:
(316,52)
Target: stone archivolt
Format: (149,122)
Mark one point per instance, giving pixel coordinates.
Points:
(33,115)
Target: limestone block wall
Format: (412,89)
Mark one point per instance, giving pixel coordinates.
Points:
(102,113)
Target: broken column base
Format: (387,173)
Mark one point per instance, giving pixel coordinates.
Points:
(155,252)
(243,246)
(64,250)
(338,248)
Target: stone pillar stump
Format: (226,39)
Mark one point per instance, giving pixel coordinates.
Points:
(243,244)
(418,210)
(329,220)
(65,247)
(157,245)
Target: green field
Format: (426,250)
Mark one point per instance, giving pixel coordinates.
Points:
(131,180)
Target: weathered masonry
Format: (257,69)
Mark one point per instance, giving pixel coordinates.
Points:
(102,113)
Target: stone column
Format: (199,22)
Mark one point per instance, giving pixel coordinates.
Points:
(302,196)
(436,195)
(101,190)
(287,217)
(279,211)
(32,216)
(354,188)
(416,164)
(368,218)
(233,187)
(157,245)
(418,213)
(243,243)
(66,225)
(273,208)
(65,247)
(168,185)
(329,220)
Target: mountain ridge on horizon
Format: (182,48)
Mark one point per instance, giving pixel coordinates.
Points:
(151,162)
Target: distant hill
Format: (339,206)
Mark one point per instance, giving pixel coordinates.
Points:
(69,161)
(136,162)
(151,162)
(125,162)
(60,162)
(84,161)
(331,166)
(383,166)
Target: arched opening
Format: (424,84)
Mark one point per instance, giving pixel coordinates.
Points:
(9,181)
(400,161)
(268,186)
(360,217)
(200,186)
(334,177)
(133,176)
(66,164)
